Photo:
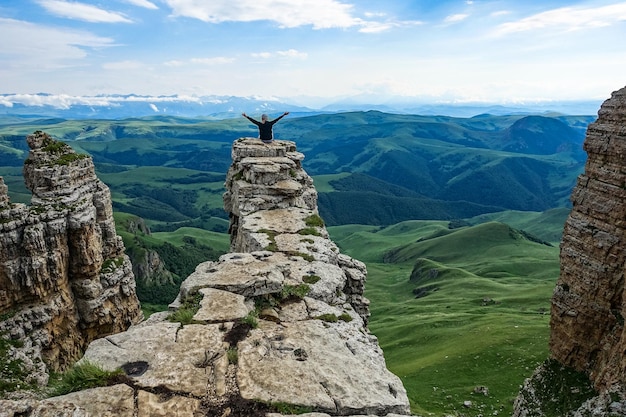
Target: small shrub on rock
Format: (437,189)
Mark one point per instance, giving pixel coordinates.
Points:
(187,310)
(83,376)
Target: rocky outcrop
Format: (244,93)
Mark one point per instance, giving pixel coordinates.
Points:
(588,304)
(64,277)
(588,310)
(149,269)
(272,203)
(279,323)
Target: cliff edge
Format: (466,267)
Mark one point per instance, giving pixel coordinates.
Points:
(587,336)
(64,277)
(276,327)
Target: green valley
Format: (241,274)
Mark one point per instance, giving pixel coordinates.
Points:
(458,313)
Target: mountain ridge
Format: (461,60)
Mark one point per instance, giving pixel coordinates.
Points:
(129,105)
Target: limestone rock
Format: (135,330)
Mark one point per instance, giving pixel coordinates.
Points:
(148,268)
(265,177)
(180,359)
(330,367)
(64,277)
(114,401)
(218,305)
(4,196)
(47,408)
(150,405)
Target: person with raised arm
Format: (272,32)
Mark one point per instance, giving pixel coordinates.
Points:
(265,126)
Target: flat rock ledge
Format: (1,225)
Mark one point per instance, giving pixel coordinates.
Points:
(277,327)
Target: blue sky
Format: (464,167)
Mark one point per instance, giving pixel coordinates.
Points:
(499,51)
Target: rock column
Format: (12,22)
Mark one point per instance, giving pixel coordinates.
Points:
(588,309)
(64,277)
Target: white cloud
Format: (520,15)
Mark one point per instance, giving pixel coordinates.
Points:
(218,60)
(82,11)
(263,55)
(61,101)
(499,13)
(143,3)
(321,14)
(174,63)
(568,19)
(378,27)
(375,14)
(456,18)
(292,53)
(65,101)
(44,47)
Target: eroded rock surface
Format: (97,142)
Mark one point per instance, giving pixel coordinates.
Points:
(64,277)
(588,304)
(588,310)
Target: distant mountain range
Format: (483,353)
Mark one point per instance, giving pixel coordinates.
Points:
(221,107)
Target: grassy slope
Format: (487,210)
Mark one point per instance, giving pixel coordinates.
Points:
(218,241)
(445,344)
(547,225)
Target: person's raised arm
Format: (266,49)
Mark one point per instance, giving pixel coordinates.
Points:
(250,118)
(281,116)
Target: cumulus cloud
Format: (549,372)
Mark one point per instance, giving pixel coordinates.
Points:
(143,3)
(82,11)
(568,19)
(45,46)
(320,14)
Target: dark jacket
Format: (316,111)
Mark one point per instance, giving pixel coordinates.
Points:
(265,129)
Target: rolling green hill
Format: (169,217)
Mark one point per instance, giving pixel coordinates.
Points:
(456,309)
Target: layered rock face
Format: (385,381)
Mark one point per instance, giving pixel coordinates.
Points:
(272,203)
(588,308)
(64,278)
(281,323)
